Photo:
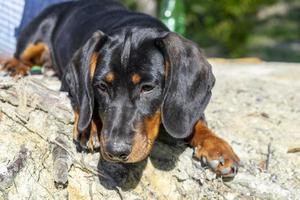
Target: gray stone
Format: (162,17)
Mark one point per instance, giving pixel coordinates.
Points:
(252,106)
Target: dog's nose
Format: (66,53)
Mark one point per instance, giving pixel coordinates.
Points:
(118,151)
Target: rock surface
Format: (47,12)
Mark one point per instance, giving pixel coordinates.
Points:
(255,107)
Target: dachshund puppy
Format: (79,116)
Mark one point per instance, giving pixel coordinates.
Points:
(126,74)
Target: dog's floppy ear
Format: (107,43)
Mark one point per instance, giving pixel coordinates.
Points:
(77,79)
(188,85)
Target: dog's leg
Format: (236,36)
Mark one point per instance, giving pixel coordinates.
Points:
(32,55)
(213,151)
(94,136)
(89,141)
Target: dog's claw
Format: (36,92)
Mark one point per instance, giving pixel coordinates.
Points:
(85,148)
(235,168)
(222,161)
(226,171)
(96,143)
(229,173)
(203,160)
(213,164)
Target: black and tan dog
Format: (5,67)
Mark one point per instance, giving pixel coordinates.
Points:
(126,73)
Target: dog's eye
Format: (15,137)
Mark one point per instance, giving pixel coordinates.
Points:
(102,87)
(147,88)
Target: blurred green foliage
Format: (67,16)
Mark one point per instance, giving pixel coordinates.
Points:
(130,4)
(224,23)
(269,29)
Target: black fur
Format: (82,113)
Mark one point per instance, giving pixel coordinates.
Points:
(77,79)
(188,86)
(127,42)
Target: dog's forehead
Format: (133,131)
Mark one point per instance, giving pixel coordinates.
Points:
(127,59)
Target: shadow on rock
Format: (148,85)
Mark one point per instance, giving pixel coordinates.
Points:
(166,151)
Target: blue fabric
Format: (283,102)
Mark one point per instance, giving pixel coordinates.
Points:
(31,9)
(10,16)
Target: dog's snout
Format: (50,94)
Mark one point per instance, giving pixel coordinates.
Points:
(118,151)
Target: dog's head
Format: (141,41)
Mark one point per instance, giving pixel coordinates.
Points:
(135,81)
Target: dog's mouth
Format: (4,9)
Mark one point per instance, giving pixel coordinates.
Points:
(145,134)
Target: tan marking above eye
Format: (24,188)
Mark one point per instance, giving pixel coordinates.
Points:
(109,77)
(135,78)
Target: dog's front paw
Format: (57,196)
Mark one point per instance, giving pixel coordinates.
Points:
(87,141)
(218,155)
